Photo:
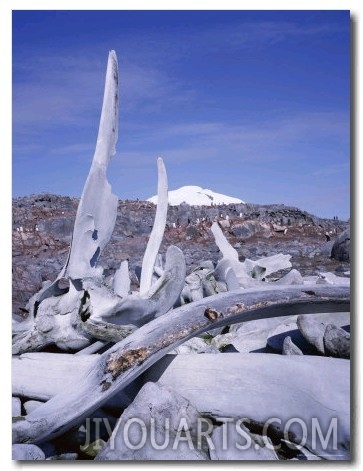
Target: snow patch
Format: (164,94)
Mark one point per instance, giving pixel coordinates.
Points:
(197,196)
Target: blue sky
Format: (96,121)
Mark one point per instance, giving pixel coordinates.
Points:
(250,104)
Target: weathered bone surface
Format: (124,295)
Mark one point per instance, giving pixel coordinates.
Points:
(23,452)
(152,405)
(121,281)
(259,387)
(97,210)
(80,289)
(43,375)
(157,232)
(137,310)
(249,272)
(15,407)
(312,331)
(201,283)
(57,322)
(260,448)
(224,246)
(126,360)
(270,333)
(54,308)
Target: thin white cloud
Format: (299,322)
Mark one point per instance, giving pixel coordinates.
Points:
(333,169)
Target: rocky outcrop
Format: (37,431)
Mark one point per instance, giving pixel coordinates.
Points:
(43,224)
(249,228)
(341,247)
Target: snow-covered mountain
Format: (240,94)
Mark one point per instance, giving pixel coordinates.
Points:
(197,196)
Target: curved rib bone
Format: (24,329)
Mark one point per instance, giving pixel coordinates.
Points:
(127,359)
(157,232)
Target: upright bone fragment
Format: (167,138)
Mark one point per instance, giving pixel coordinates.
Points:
(97,210)
(248,273)
(137,310)
(121,281)
(224,246)
(157,232)
(54,310)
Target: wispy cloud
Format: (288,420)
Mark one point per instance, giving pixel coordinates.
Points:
(63,87)
(209,98)
(333,169)
(280,131)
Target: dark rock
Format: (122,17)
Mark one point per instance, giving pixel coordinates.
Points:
(336,342)
(41,248)
(152,405)
(249,228)
(341,269)
(61,227)
(341,247)
(192,232)
(326,248)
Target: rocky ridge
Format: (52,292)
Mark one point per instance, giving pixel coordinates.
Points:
(43,225)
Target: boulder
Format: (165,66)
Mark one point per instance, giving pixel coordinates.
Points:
(224,223)
(313,331)
(279,228)
(341,247)
(326,248)
(336,342)
(249,228)
(234,442)
(159,425)
(60,227)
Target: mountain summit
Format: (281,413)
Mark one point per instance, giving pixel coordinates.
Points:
(197,196)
